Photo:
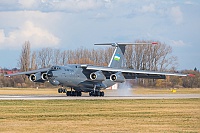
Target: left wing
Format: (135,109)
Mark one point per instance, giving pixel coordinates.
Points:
(132,74)
(28,72)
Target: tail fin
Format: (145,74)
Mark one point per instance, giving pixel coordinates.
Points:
(118,55)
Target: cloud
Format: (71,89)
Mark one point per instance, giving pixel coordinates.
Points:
(75,5)
(37,36)
(28,4)
(2,36)
(177,43)
(147,8)
(188,3)
(52,5)
(101,16)
(176,14)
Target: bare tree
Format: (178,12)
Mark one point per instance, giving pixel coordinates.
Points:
(63,57)
(24,60)
(56,57)
(33,61)
(150,57)
(45,57)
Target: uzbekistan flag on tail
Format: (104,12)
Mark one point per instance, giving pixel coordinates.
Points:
(117,57)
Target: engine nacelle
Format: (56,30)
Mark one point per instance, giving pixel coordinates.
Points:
(44,76)
(37,77)
(98,76)
(117,77)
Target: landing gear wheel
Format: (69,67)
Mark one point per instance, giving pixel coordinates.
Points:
(91,93)
(79,93)
(74,93)
(96,93)
(101,94)
(64,91)
(60,90)
(68,93)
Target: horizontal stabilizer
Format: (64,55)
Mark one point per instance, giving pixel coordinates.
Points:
(124,43)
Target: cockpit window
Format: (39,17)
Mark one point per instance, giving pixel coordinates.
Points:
(55,68)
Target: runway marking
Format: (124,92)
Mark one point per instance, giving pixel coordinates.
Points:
(60,97)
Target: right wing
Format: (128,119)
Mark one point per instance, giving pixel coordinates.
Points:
(132,74)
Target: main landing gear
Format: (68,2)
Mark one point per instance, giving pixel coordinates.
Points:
(70,93)
(96,93)
(62,90)
(79,93)
(74,93)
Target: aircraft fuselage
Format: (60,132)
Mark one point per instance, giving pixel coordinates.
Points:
(76,77)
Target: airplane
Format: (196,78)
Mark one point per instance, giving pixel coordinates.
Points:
(92,79)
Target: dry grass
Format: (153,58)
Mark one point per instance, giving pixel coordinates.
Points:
(28,91)
(53,91)
(181,115)
(166,91)
(177,115)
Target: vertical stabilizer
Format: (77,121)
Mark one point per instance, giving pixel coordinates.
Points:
(117,57)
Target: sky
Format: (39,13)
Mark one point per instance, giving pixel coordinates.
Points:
(71,24)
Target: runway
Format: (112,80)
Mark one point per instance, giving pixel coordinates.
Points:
(63,97)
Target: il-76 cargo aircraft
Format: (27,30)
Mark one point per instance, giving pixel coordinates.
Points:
(92,79)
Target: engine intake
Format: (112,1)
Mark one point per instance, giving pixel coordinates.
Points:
(44,76)
(98,76)
(117,77)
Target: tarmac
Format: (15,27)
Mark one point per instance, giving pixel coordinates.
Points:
(108,97)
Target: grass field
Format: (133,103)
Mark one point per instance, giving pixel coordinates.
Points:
(46,91)
(175,115)
(166,91)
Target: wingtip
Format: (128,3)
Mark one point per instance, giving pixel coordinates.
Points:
(154,43)
(191,75)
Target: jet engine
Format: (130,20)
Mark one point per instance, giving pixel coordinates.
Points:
(44,76)
(117,77)
(98,76)
(38,77)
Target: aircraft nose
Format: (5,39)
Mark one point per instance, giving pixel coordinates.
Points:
(49,74)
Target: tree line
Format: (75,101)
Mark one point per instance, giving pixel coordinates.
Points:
(141,57)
